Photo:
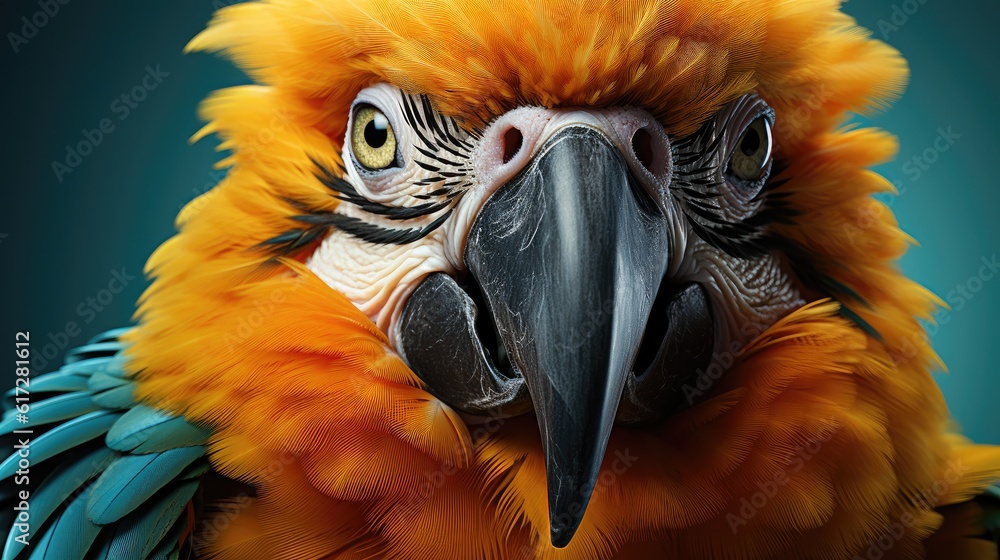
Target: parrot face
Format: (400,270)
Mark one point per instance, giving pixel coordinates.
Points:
(465,252)
(577,262)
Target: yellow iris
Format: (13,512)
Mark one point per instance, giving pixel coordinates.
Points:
(372,139)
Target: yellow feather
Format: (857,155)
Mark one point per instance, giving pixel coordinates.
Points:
(351,458)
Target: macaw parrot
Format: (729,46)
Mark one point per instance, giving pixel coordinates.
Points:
(521,279)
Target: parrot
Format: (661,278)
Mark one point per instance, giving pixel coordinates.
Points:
(556,279)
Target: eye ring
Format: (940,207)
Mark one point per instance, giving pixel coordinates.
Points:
(373,141)
(752,152)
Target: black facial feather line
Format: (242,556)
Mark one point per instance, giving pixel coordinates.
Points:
(442,150)
(316,223)
(697,186)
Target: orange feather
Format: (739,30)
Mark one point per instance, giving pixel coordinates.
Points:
(352,458)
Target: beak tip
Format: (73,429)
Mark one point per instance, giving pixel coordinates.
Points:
(561,536)
(565,516)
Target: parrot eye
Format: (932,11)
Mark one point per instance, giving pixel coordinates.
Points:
(720,175)
(753,151)
(372,139)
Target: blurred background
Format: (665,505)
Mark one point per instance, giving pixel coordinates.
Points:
(100,103)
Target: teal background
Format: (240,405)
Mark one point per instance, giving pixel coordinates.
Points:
(63,239)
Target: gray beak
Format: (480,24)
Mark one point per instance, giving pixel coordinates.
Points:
(569,256)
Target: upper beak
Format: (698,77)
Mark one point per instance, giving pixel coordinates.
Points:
(569,256)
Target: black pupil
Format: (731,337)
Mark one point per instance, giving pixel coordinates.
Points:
(374,136)
(749,145)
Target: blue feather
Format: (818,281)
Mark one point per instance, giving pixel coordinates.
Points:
(70,536)
(92,351)
(195,470)
(116,365)
(62,438)
(56,381)
(54,409)
(117,398)
(109,335)
(102,381)
(138,535)
(169,547)
(146,430)
(55,489)
(132,479)
(104,550)
(92,365)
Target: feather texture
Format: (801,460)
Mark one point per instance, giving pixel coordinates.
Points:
(62,438)
(56,381)
(140,498)
(93,350)
(60,485)
(170,545)
(145,430)
(110,335)
(101,381)
(117,398)
(70,536)
(132,479)
(50,410)
(351,458)
(138,535)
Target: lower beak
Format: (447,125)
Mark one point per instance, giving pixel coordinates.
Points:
(569,255)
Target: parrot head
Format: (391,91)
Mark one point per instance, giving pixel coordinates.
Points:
(580,273)
(575,262)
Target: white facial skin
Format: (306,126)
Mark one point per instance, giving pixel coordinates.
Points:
(748,292)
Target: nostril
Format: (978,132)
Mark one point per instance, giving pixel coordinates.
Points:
(642,145)
(512,140)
